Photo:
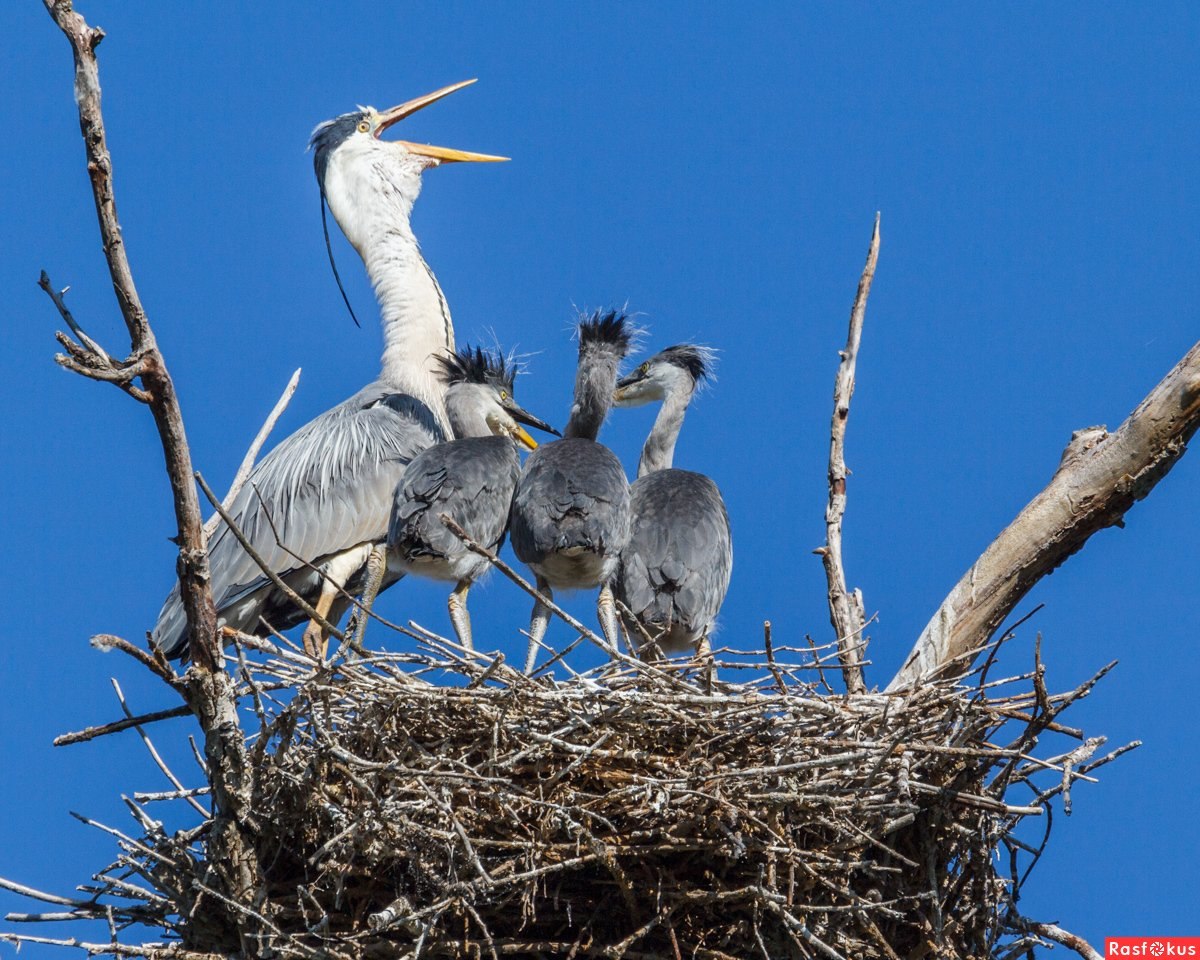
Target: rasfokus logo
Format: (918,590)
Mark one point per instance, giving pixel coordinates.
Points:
(1151,947)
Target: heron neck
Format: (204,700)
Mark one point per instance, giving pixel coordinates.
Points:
(595,381)
(659,451)
(414,313)
(467,419)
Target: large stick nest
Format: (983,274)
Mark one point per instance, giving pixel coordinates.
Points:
(630,812)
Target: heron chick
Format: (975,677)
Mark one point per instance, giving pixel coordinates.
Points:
(570,512)
(675,569)
(471,479)
(316,507)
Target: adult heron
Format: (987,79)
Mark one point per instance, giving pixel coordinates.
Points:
(570,513)
(675,569)
(471,479)
(317,506)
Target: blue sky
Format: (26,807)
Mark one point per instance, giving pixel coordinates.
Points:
(718,170)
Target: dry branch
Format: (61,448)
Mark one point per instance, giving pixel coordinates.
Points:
(846,612)
(247,465)
(144,352)
(1100,476)
(208,689)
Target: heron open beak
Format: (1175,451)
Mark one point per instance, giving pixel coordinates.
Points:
(441,154)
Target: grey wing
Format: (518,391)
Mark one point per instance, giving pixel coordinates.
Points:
(471,480)
(325,488)
(572,493)
(679,559)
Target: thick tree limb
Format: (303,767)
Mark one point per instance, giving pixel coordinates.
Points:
(846,612)
(1100,477)
(156,381)
(209,690)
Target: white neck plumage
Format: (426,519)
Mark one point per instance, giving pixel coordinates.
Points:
(415,317)
(371,188)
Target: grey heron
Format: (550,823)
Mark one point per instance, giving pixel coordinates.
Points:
(676,566)
(570,513)
(317,506)
(470,479)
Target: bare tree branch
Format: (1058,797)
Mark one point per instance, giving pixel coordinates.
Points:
(116,726)
(1062,937)
(209,690)
(91,359)
(243,472)
(846,612)
(1100,477)
(193,561)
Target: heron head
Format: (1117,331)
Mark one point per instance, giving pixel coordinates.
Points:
(675,370)
(359,172)
(479,398)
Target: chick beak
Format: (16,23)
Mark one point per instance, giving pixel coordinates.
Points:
(441,154)
(524,416)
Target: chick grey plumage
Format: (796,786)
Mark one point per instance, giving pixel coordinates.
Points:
(328,487)
(570,513)
(471,479)
(675,569)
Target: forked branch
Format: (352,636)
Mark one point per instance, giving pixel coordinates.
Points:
(159,391)
(208,689)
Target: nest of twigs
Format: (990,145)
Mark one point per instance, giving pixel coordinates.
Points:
(630,812)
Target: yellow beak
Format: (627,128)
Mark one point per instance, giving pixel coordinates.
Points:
(524,438)
(442,154)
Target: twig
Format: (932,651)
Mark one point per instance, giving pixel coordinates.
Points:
(846,612)
(116,726)
(247,465)
(154,754)
(1058,935)
(308,610)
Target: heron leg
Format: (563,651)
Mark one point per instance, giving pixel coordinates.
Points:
(316,637)
(606,611)
(460,616)
(376,567)
(538,622)
(334,576)
(705,657)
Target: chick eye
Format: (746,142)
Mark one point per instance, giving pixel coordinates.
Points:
(643,369)
(363,126)
(503,394)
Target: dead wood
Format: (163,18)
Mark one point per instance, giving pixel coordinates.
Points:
(1100,476)
(207,688)
(846,612)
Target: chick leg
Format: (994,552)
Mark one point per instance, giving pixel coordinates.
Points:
(460,616)
(606,612)
(705,657)
(376,567)
(538,622)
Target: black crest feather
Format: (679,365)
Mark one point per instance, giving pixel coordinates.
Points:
(476,365)
(695,360)
(612,328)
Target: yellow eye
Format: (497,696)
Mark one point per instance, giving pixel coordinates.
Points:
(643,369)
(364,126)
(503,394)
